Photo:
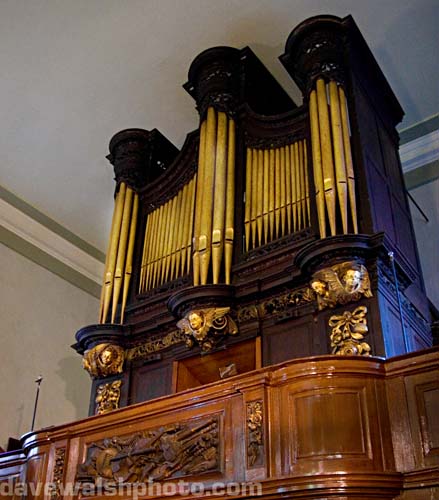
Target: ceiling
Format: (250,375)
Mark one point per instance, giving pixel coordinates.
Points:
(76,72)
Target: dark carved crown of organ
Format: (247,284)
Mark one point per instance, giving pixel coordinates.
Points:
(267,236)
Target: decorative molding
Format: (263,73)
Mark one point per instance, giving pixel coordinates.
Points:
(167,452)
(33,232)
(420,152)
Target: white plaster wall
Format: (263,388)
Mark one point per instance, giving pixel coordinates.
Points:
(40,313)
(427,235)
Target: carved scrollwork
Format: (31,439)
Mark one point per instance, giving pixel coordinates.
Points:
(207,327)
(341,284)
(104,360)
(348,332)
(108,397)
(166,452)
(254,433)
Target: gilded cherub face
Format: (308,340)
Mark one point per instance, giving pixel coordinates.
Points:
(107,356)
(195,320)
(352,280)
(318,287)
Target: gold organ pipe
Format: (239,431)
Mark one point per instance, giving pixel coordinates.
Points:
(230,203)
(317,162)
(288,186)
(153,247)
(146,246)
(298,185)
(283,181)
(190,217)
(277,178)
(219,202)
(159,247)
(178,231)
(166,242)
(293,167)
(181,239)
(302,184)
(260,193)
(348,157)
(326,149)
(121,251)
(171,228)
(305,156)
(254,197)
(266,191)
(101,307)
(248,198)
(208,183)
(199,202)
(112,253)
(129,259)
(339,158)
(271,201)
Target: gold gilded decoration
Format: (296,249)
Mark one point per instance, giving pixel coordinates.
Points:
(276,304)
(207,327)
(58,474)
(341,284)
(108,397)
(254,433)
(156,344)
(348,332)
(166,452)
(104,360)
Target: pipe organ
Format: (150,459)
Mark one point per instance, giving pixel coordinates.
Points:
(277,234)
(269,223)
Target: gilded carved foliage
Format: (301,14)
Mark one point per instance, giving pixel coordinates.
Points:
(156,344)
(165,452)
(104,360)
(276,304)
(58,473)
(207,327)
(108,397)
(348,331)
(341,284)
(254,433)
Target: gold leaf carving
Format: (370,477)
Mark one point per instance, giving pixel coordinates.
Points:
(348,332)
(108,397)
(206,327)
(341,284)
(104,360)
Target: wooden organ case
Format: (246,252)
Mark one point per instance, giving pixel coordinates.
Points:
(278,234)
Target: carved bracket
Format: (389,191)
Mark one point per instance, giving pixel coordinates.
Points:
(341,284)
(207,327)
(104,360)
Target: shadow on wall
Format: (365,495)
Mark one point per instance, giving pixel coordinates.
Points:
(77,384)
